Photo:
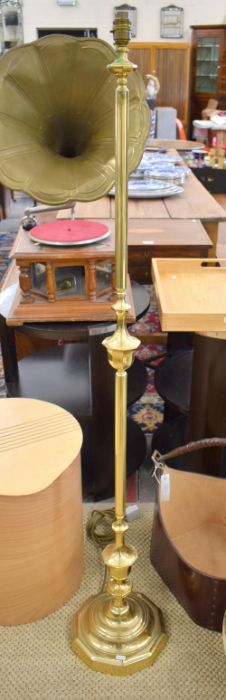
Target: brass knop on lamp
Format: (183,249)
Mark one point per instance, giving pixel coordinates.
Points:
(118,631)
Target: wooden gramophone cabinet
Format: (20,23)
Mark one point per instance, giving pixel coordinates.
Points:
(65,283)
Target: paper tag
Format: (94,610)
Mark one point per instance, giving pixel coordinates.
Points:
(121,658)
(165,487)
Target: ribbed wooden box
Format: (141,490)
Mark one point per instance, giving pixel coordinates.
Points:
(41,534)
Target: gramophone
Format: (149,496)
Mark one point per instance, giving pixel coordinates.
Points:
(117,631)
(57,144)
(71,281)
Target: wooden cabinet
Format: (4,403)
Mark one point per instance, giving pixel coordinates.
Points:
(171,62)
(208,68)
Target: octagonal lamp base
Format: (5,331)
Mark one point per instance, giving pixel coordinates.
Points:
(118,645)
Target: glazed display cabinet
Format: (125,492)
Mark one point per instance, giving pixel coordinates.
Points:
(208,68)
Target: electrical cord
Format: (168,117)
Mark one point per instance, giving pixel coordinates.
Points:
(99,526)
(99,530)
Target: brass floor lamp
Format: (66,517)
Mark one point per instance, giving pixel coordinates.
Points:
(118,631)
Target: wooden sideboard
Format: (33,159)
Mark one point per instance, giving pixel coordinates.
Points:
(171,62)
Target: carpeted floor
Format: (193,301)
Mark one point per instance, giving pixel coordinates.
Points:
(6,242)
(37,662)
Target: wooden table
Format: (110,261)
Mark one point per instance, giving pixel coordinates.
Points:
(178,144)
(185,225)
(152,237)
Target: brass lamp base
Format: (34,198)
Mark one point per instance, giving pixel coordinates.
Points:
(118,644)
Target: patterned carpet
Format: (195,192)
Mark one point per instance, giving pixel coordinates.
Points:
(148,411)
(6,242)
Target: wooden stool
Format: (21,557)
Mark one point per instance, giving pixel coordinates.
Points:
(41,538)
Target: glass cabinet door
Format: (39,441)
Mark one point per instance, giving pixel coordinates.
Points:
(207,63)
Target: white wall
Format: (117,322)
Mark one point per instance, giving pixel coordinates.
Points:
(99,14)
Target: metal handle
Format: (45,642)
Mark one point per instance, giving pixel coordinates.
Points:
(158,459)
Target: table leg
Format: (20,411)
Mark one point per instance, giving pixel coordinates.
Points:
(220,137)
(211,228)
(9,355)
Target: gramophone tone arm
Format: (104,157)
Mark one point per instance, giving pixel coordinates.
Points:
(29,221)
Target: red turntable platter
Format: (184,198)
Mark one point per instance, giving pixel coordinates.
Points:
(69,232)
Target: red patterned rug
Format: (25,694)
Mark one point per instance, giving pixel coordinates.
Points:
(148,411)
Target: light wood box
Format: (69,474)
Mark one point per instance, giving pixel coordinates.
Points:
(191,294)
(41,525)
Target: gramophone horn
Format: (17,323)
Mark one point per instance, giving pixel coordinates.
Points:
(57,106)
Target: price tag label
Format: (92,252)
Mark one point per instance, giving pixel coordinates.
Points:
(165,487)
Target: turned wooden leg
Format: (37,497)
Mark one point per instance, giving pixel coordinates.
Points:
(25,283)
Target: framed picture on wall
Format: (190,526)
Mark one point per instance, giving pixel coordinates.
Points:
(171,22)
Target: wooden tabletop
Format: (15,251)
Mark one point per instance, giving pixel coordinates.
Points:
(194,203)
(142,229)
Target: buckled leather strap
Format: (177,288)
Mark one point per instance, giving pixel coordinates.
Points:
(189,447)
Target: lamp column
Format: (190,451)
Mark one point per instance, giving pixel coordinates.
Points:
(119,631)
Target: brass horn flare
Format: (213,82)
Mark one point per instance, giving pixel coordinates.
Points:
(57,119)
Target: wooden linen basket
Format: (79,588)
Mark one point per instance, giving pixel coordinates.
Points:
(41,529)
(188,545)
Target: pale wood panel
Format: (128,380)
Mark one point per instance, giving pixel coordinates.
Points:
(171,61)
(41,533)
(41,549)
(100,209)
(202,547)
(147,208)
(194,202)
(191,294)
(142,58)
(167,232)
(179,144)
(49,439)
(172,67)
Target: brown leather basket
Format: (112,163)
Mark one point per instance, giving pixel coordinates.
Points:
(188,545)
(224,632)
